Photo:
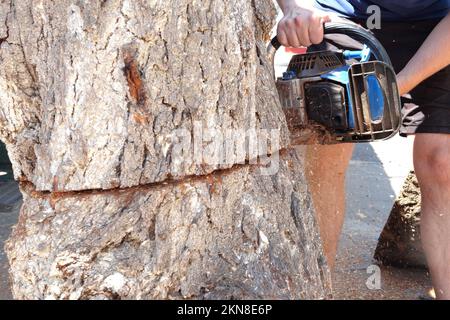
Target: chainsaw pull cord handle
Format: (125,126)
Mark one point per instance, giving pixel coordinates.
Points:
(354,31)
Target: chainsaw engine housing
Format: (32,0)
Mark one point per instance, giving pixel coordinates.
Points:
(351,94)
(354,99)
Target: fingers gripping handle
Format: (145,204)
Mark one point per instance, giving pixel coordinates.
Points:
(353,31)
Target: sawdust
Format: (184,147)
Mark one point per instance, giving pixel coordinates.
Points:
(352,274)
(312,135)
(306,134)
(400,241)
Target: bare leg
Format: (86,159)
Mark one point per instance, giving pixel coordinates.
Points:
(326,167)
(432,165)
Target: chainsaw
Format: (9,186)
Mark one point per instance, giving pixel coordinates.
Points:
(349,96)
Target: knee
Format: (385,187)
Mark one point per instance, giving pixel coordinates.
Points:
(434,168)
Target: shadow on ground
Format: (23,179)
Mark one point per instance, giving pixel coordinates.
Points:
(10,201)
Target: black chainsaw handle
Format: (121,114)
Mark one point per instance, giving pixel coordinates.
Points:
(354,31)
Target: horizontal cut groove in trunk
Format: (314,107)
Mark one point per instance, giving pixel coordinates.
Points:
(249,236)
(215,175)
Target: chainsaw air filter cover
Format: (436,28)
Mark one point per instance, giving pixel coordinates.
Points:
(315,63)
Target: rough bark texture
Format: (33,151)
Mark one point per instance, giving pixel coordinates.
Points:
(91,92)
(92,96)
(400,243)
(234,235)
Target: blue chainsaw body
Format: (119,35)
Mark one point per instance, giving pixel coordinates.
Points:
(349,93)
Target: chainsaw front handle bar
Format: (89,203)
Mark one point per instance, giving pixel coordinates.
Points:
(353,31)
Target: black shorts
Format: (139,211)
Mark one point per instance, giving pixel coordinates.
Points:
(428,110)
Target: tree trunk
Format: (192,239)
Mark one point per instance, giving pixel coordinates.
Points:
(400,242)
(126,123)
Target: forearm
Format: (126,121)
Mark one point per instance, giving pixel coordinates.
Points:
(433,55)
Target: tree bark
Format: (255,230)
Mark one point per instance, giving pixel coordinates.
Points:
(102,104)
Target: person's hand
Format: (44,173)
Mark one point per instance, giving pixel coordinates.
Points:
(301,25)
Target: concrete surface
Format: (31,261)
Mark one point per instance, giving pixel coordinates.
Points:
(374,179)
